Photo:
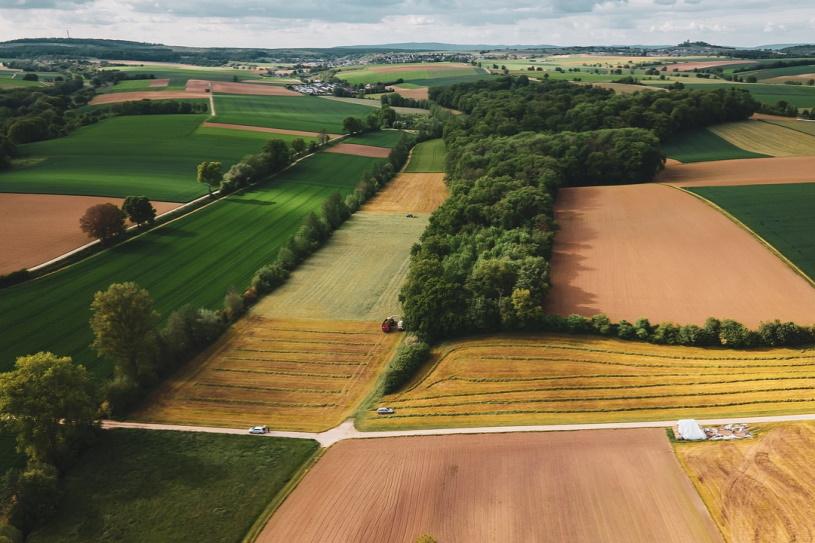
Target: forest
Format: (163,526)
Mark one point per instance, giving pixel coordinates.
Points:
(483,263)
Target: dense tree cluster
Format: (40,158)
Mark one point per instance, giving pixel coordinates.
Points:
(482,264)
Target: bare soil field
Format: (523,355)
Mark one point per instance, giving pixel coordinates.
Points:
(269,130)
(537,379)
(249,88)
(801,77)
(766,138)
(356,276)
(410,193)
(746,171)
(159,83)
(607,485)
(623,88)
(407,67)
(757,490)
(39,227)
(359,150)
(145,95)
(649,251)
(416,94)
(288,374)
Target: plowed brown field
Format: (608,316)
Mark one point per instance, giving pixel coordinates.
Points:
(200,85)
(359,150)
(758,490)
(699,65)
(145,95)
(746,171)
(288,374)
(654,251)
(45,226)
(606,485)
(410,192)
(159,83)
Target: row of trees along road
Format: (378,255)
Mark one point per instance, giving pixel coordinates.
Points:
(106,222)
(483,262)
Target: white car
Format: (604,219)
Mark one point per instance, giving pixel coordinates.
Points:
(385,410)
(258,430)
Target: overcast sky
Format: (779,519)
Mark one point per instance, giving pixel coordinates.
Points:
(326,23)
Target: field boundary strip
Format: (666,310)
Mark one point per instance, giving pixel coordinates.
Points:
(787,262)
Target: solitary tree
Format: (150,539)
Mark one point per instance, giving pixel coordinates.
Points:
(210,173)
(352,125)
(139,210)
(103,222)
(50,404)
(123,325)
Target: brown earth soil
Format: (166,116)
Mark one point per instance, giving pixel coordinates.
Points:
(249,88)
(689,66)
(746,171)
(356,276)
(39,227)
(623,88)
(654,251)
(145,95)
(765,116)
(758,490)
(410,193)
(269,130)
(359,150)
(781,79)
(409,67)
(305,375)
(605,485)
(159,83)
(416,94)
(671,162)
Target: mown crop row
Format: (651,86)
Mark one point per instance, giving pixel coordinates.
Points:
(472,385)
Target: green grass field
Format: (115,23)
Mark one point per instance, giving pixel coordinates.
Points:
(427,156)
(438,81)
(142,485)
(261,137)
(409,73)
(797,95)
(9,80)
(380,138)
(781,214)
(780,72)
(179,76)
(189,261)
(153,155)
(703,146)
(309,113)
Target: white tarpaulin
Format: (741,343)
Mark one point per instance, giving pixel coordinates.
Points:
(688,429)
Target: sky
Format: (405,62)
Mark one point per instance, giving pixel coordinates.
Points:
(328,23)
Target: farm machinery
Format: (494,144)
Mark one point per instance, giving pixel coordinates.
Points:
(392,322)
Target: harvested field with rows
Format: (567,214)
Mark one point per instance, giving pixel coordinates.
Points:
(46,226)
(766,138)
(647,251)
(754,171)
(757,490)
(287,374)
(559,379)
(359,150)
(608,485)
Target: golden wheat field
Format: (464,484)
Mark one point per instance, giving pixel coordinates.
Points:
(766,138)
(287,374)
(553,379)
(761,489)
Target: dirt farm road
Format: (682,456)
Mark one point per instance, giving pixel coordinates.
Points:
(346,430)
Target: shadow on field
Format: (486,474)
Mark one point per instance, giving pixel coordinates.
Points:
(252,201)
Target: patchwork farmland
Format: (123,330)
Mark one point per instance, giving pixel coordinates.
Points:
(311,350)
(552,379)
(646,250)
(221,245)
(608,485)
(757,490)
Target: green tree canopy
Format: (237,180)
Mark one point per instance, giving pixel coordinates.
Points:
(50,404)
(123,325)
(210,174)
(139,210)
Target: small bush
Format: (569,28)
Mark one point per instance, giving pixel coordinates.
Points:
(404,366)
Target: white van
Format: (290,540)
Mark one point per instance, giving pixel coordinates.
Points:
(385,410)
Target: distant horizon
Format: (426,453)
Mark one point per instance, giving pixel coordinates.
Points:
(322,23)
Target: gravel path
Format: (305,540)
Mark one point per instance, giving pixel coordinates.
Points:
(346,430)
